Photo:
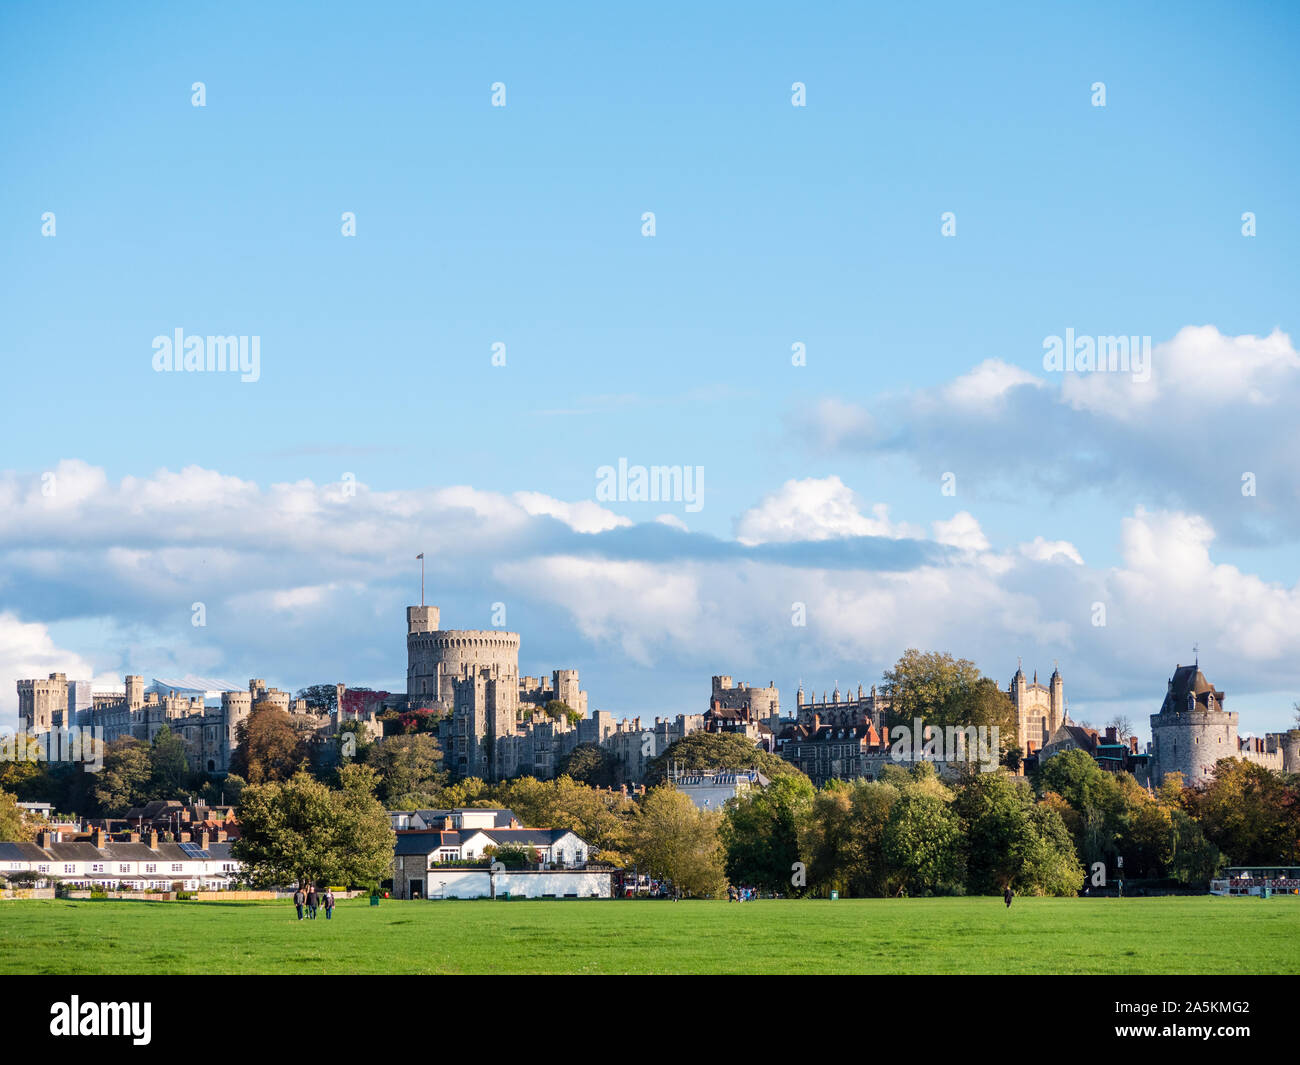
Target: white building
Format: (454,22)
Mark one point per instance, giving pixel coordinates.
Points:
(451,863)
(132,864)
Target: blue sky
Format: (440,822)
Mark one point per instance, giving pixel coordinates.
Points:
(774,225)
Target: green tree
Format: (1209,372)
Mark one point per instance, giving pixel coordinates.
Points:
(942,690)
(672,838)
(1012,841)
(169,769)
(601,818)
(590,764)
(922,844)
(406,763)
(323,698)
(716,750)
(124,780)
(760,833)
(301,832)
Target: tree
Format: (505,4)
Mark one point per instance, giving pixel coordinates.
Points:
(223,792)
(323,698)
(168,767)
(1123,727)
(1251,814)
(268,746)
(124,780)
(760,833)
(942,691)
(301,832)
(590,764)
(672,838)
(407,763)
(922,844)
(13,822)
(1011,841)
(716,750)
(599,817)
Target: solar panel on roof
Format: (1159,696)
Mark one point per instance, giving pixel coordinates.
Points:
(193,850)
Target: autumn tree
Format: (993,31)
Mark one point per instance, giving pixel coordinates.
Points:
(268,747)
(1251,814)
(13,822)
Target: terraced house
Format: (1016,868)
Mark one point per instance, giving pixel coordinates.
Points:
(132,862)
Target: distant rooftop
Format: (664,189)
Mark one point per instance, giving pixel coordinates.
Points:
(191,683)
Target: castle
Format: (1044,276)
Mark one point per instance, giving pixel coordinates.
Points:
(493,727)
(208,731)
(1193,731)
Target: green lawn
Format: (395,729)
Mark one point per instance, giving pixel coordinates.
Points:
(976,935)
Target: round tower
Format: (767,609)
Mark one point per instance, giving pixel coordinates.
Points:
(435,657)
(1192,731)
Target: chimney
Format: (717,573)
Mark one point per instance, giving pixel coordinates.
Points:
(449,823)
(45,837)
(133,837)
(97,838)
(203,839)
(151,838)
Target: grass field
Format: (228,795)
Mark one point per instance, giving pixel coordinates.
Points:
(975,935)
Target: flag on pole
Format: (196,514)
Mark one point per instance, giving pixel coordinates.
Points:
(420,555)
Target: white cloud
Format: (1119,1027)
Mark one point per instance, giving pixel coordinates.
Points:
(306,584)
(583,516)
(1196,374)
(988,383)
(814,509)
(1211,430)
(1042,550)
(961,531)
(27,651)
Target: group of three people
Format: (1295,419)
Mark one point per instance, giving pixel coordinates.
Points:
(310,901)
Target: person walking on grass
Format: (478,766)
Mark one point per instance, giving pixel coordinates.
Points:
(312,901)
(329,904)
(1006,896)
(299,900)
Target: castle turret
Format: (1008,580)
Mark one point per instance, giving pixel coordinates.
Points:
(421,619)
(1192,731)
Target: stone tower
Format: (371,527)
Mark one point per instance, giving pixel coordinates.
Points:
(435,658)
(1040,709)
(1192,731)
(235,707)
